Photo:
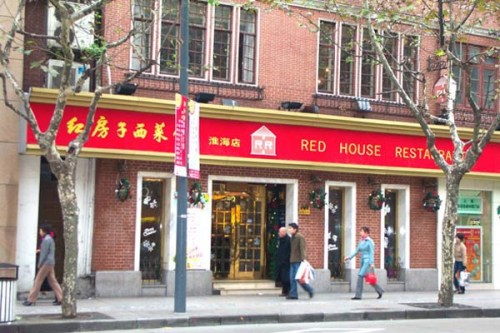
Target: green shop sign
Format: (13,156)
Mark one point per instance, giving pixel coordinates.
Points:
(470,205)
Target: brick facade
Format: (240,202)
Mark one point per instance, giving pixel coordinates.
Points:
(115,221)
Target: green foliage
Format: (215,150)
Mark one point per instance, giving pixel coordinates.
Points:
(94,52)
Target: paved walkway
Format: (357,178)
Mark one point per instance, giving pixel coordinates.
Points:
(155,312)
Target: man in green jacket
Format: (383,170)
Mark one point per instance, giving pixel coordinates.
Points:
(297,255)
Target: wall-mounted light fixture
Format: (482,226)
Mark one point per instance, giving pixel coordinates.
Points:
(126,88)
(363,105)
(372,181)
(426,183)
(203,97)
(291,106)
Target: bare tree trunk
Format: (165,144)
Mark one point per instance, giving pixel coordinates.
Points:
(70,212)
(445,296)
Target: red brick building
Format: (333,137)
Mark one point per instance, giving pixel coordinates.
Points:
(303,127)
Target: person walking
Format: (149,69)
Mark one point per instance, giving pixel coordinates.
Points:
(283,261)
(46,262)
(297,255)
(460,256)
(366,247)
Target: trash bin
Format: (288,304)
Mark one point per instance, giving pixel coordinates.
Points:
(8,278)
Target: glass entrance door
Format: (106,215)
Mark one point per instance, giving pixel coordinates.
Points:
(238,225)
(151,230)
(391,260)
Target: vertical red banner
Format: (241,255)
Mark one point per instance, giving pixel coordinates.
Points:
(181,135)
(194,141)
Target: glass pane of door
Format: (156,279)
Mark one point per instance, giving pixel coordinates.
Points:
(238,224)
(335,232)
(151,230)
(391,260)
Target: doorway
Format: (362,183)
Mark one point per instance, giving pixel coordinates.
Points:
(238,231)
(152,230)
(49,211)
(336,233)
(391,239)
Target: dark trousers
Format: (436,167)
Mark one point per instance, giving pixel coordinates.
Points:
(459,266)
(283,277)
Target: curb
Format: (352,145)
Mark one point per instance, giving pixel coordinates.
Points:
(36,324)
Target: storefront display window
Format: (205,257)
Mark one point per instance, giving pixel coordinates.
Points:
(474,221)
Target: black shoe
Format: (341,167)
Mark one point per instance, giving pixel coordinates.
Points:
(291,297)
(311,294)
(56,303)
(461,292)
(379,295)
(356,298)
(28,303)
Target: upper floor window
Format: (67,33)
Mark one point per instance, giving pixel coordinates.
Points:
(369,73)
(214,36)
(326,56)
(483,75)
(348,64)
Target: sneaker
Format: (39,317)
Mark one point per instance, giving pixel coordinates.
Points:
(28,303)
(56,303)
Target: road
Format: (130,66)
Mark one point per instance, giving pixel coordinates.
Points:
(455,325)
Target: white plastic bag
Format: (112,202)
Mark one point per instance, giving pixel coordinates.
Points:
(464,279)
(305,273)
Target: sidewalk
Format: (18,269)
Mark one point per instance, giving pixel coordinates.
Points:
(155,312)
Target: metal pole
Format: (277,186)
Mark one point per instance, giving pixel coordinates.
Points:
(181,181)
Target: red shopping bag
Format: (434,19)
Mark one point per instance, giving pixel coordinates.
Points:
(371,278)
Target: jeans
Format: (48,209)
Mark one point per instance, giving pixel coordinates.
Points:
(459,266)
(294,267)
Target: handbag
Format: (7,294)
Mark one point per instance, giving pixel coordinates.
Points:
(371,277)
(464,279)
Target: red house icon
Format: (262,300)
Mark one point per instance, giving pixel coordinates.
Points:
(263,142)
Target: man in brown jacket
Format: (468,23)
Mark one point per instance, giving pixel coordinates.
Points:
(297,255)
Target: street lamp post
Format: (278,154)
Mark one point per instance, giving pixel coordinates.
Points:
(181,181)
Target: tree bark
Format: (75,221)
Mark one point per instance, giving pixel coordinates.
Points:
(445,295)
(70,213)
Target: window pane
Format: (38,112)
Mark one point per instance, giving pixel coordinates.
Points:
(247,47)
(326,56)
(409,65)
(391,54)
(474,83)
(222,43)
(368,62)
(170,10)
(348,42)
(488,88)
(458,75)
(197,22)
(169,49)
(142,38)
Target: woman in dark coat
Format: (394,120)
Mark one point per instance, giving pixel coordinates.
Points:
(283,261)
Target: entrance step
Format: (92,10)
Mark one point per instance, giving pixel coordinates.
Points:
(154,290)
(245,287)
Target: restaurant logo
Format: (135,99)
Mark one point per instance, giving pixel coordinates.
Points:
(263,142)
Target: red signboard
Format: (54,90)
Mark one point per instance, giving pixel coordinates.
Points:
(153,132)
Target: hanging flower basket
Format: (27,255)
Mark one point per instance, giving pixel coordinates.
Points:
(376,200)
(196,197)
(317,198)
(122,189)
(431,202)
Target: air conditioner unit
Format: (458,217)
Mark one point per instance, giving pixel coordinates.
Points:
(56,66)
(82,31)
